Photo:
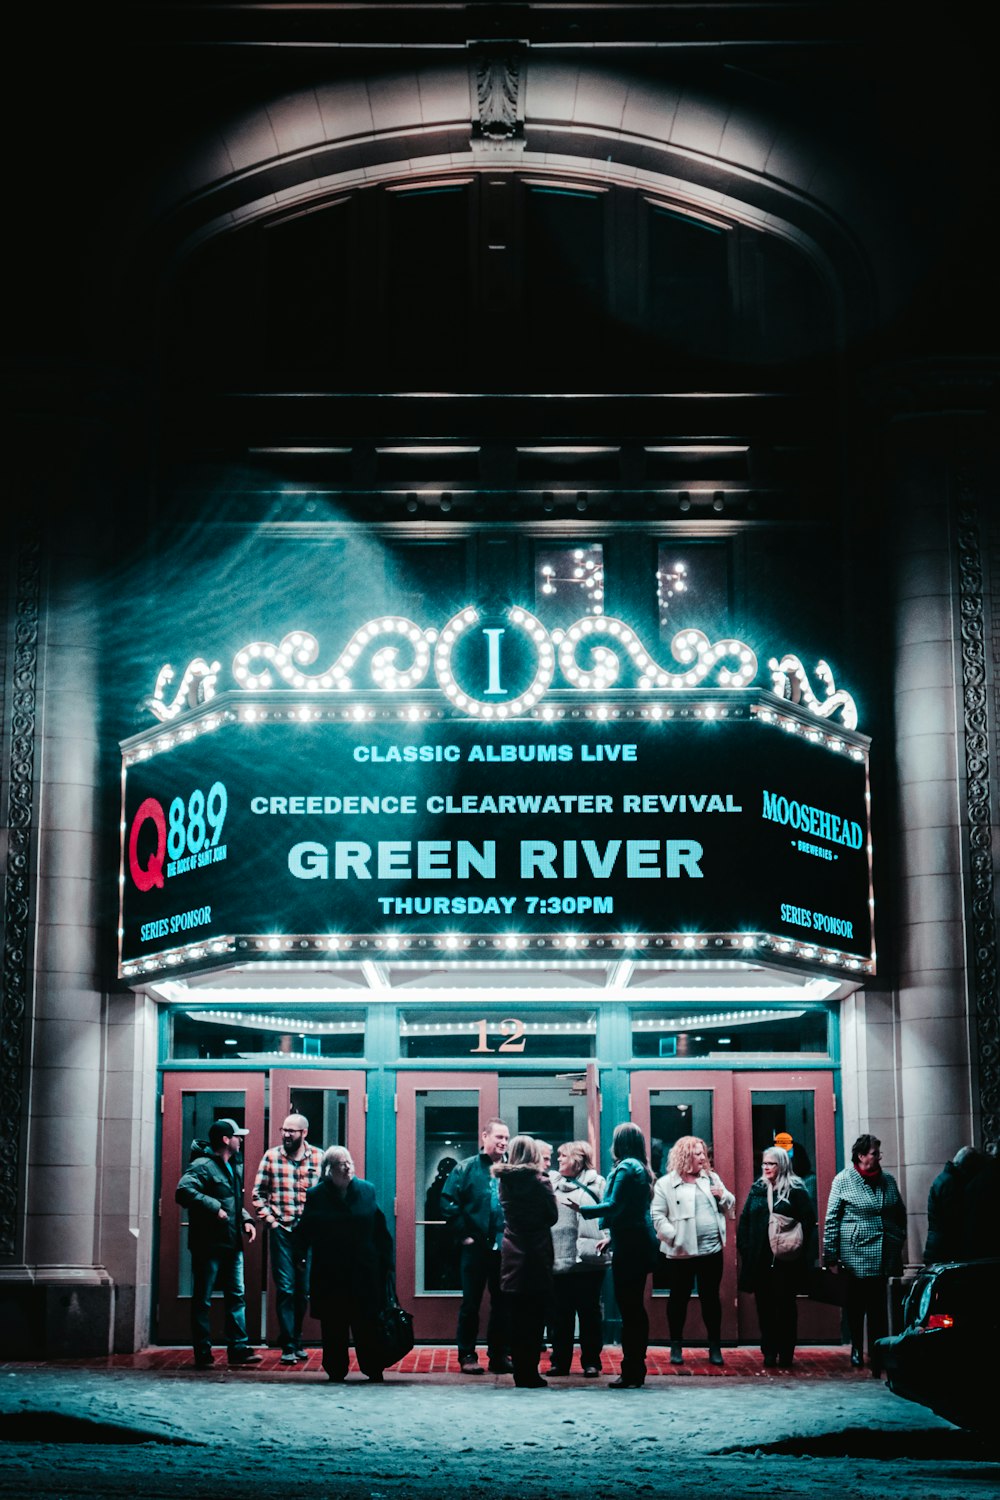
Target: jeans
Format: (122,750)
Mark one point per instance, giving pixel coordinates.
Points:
(707,1271)
(225,1269)
(629,1282)
(481,1269)
(527,1328)
(777,1313)
(577,1294)
(867,1298)
(290,1269)
(340,1318)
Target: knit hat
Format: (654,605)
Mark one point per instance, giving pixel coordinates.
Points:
(784,1140)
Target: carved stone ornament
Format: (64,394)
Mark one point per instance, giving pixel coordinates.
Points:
(498,82)
(17,937)
(979,798)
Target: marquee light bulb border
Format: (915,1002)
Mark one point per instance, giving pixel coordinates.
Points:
(573,948)
(730,663)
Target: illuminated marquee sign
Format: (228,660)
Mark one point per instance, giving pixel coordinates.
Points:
(500,669)
(710,832)
(496,789)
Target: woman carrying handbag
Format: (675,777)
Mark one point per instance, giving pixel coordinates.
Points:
(771,1236)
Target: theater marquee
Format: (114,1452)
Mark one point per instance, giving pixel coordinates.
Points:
(721,827)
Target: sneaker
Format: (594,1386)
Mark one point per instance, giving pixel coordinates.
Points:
(290,1357)
(244,1355)
(470,1367)
(301,1353)
(501,1367)
(203,1358)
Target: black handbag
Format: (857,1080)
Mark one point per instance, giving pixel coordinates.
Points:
(824,1285)
(395,1327)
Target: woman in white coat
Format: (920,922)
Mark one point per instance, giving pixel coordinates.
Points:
(690,1207)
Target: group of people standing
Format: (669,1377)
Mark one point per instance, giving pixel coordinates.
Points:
(539,1240)
(329,1244)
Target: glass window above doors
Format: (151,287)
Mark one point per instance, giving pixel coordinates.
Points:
(278,1035)
(471,1034)
(723,1033)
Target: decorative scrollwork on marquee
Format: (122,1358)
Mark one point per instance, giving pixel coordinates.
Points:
(197,688)
(589,656)
(791,681)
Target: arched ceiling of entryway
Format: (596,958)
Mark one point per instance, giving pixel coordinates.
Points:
(734,153)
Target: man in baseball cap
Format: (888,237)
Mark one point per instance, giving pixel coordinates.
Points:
(212,1191)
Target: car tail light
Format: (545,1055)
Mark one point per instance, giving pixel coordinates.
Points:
(940,1320)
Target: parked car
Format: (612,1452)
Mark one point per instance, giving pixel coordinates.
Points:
(951,1322)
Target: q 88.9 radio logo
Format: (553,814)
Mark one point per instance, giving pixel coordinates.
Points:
(186,838)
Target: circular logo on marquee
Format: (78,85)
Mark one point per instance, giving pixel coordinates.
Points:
(151,874)
(495,661)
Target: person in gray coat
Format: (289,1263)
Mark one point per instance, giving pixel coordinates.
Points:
(579,1267)
(863,1240)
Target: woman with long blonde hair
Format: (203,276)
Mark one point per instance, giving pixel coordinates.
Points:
(691,1204)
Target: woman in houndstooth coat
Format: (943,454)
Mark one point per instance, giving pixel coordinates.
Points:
(863,1239)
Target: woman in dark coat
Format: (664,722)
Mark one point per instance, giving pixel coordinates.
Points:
(352,1255)
(624,1213)
(774,1283)
(529,1211)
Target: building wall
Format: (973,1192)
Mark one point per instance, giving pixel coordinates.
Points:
(78,1085)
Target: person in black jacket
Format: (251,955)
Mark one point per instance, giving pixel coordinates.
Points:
(470,1203)
(212,1191)
(624,1213)
(947,1237)
(529,1210)
(352,1258)
(774,1283)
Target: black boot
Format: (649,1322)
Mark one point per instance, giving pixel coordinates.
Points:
(676,1352)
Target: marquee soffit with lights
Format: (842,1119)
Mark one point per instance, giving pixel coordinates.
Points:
(596,669)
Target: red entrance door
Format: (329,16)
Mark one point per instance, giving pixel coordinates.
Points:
(190,1103)
(334,1104)
(803,1105)
(440,1117)
(738,1114)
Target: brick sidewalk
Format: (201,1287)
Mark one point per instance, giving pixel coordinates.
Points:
(825,1362)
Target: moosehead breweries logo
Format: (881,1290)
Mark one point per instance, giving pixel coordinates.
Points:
(501,667)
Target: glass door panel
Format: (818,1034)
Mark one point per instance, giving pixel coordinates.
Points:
(549,1108)
(190,1104)
(440,1120)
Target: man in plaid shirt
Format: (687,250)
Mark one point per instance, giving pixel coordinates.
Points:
(285,1175)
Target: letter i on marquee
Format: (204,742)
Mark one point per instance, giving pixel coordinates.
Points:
(493,634)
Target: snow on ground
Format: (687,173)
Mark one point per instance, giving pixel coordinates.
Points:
(235,1435)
